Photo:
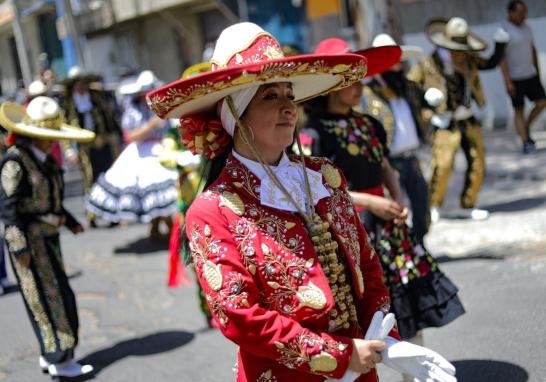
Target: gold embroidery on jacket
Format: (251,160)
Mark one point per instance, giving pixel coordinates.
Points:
(311,295)
(244,235)
(233,202)
(323,362)
(296,352)
(285,275)
(231,296)
(277,229)
(340,206)
(213,275)
(331,175)
(203,247)
(267,376)
(249,182)
(11,177)
(15,239)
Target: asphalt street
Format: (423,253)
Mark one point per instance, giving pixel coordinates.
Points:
(133,328)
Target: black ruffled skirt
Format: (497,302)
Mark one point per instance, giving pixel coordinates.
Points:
(422,296)
(426,302)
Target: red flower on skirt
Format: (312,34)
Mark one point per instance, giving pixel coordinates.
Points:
(424,268)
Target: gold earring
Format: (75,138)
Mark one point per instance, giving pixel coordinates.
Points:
(244,135)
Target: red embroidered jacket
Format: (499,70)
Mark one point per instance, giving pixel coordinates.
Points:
(263,281)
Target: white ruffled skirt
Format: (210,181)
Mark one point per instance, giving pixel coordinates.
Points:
(136,187)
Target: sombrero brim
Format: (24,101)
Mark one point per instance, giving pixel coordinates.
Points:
(82,77)
(381,58)
(435,31)
(310,75)
(11,117)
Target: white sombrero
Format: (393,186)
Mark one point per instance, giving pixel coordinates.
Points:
(408,51)
(41,119)
(245,55)
(37,88)
(454,34)
(145,82)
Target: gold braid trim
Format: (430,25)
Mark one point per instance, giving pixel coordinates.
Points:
(54,123)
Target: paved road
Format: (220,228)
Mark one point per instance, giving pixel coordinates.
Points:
(133,328)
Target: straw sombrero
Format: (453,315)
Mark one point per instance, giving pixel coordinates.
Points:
(196,69)
(408,51)
(41,119)
(380,59)
(453,34)
(246,55)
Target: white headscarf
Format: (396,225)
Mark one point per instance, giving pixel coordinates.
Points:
(241,99)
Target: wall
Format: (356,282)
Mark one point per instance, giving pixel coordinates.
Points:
(8,72)
(165,46)
(125,10)
(7,69)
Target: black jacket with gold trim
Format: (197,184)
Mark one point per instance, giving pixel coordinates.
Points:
(30,191)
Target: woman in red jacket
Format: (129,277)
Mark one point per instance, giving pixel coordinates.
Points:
(279,251)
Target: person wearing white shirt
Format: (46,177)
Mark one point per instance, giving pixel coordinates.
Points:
(521,72)
(398,103)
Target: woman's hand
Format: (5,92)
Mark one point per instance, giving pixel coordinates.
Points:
(510,88)
(365,355)
(402,216)
(386,209)
(77,229)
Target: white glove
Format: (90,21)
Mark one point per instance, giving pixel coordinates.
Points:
(378,330)
(434,97)
(380,326)
(440,121)
(501,36)
(421,363)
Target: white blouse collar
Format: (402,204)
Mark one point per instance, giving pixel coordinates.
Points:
(292,177)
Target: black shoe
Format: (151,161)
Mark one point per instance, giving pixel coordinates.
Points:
(529,147)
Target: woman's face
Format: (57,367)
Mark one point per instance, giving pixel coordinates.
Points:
(44,145)
(458,58)
(349,96)
(272,115)
(81,87)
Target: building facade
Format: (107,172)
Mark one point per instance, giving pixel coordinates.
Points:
(117,37)
(43,49)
